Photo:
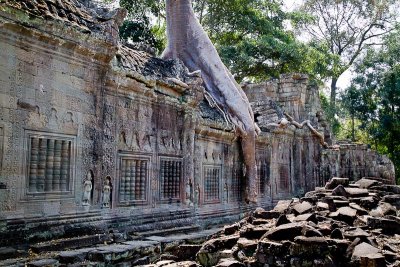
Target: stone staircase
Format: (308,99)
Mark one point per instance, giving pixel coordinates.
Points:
(109,250)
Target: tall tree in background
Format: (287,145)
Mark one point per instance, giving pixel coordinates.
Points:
(347,28)
(250,36)
(374,96)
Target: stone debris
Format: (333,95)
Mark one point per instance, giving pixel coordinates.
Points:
(361,228)
(340,225)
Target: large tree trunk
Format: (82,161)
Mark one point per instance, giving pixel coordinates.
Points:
(333,93)
(188,42)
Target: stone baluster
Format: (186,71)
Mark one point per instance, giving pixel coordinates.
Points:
(122,181)
(133,180)
(41,165)
(175,179)
(137,180)
(57,165)
(171,179)
(128,174)
(143,171)
(48,186)
(33,164)
(179,178)
(162,178)
(65,148)
(217,177)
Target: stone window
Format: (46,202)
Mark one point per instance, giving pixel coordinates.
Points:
(170,179)
(1,146)
(133,181)
(263,176)
(212,184)
(236,182)
(284,178)
(50,165)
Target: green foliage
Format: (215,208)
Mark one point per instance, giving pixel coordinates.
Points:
(250,36)
(140,26)
(347,28)
(374,97)
(330,114)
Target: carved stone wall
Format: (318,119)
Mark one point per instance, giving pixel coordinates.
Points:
(93,132)
(355,161)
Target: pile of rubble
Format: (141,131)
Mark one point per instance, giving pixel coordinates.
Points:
(340,225)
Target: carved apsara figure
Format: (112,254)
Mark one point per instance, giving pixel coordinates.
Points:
(87,189)
(106,193)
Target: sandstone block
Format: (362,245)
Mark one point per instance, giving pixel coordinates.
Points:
(335,181)
(302,207)
(285,232)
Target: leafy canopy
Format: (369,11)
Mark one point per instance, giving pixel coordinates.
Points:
(250,35)
(374,96)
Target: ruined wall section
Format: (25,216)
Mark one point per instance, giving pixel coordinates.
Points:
(293,154)
(355,161)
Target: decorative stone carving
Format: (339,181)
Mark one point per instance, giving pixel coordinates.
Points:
(107,190)
(212,182)
(87,189)
(188,192)
(49,164)
(133,180)
(170,178)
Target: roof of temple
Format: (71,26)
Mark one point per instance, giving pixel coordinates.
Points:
(69,12)
(131,60)
(134,61)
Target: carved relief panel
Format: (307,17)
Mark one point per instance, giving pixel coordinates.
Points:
(136,126)
(50,163)
(169,130)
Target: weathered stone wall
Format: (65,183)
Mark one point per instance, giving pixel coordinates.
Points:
(356,161)
(95,135)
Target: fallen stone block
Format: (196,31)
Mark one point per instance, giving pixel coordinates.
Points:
(363,249)
(356,192)
(383,209)
(282,220)
(358,232)
(308,217)
(269,251)
(335,181)
(43,263)
(208,254)
(347,215)
(304,247)
(303,207)
(366,183)
(253,232)
(263,214)
(394,200)
(186,251)
(372,260)
(181,264)
(74,256)
(285,232)
(388,226)
(229,263)
(282,206)
(339,191)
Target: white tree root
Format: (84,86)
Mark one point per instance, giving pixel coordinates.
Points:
(307,123)
(188,42)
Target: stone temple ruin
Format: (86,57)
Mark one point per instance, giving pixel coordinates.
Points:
(95,135)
